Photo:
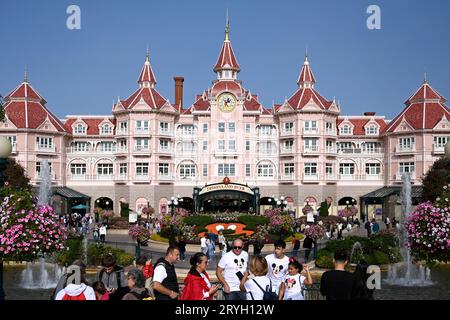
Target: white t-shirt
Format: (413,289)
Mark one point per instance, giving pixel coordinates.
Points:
(293,287)
(278,269)
(159,274)
(102,230)
(231,264)
(310,217)
(203,242)
(257,293)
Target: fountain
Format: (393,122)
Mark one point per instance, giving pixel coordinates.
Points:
(406,273)
(356,248)
(45,185)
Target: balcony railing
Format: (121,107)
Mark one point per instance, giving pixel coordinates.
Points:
(122,149)
(332,151)
(405,149)
(141,130)
(310,131)
(287,177)
(398,176)
(438,149)
(311,177)
(141,148)
(359,177)
(287,132)
(141,177)
(330,132)
(310,149)
(331,177)
(166,177)
(121,176)
(122,131)
(45,148)
(359,151)
(287,150)
(95,177)
(166,133)
(225,152)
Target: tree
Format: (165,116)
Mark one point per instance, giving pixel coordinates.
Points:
(437,177)
(16,176)
(2,113)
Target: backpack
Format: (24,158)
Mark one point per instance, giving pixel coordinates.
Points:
(268,294)
(143,296)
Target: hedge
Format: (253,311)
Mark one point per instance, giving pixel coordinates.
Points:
(252,222)
(96,253)
(74,251)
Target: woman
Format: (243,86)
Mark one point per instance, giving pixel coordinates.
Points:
(136,283)
(100,291)
(74,291)
(256,286)
(197,283)
(361,291)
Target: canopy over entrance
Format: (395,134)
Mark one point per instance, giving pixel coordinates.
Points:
(220,197)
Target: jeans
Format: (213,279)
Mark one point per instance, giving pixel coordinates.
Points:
(307,252)
(182,255)
(294,254)
(235,295)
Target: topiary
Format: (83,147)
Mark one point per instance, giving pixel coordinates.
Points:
(325,259)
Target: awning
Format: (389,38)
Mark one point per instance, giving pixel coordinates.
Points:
(416,193)
(65,192)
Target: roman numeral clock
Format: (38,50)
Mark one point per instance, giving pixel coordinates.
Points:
(227,102)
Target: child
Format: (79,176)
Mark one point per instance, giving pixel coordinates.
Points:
(100,291)
(291,288)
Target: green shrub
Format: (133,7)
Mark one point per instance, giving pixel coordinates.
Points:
(73,251)
(381,257)
(158,237)
(96,253)
(200,222)
(252,221)
(325,259)
(228,231)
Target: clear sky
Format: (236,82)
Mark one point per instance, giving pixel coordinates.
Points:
(82,71)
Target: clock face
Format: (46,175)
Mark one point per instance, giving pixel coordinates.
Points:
(227,102)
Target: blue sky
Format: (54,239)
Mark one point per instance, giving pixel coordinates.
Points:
(82,71)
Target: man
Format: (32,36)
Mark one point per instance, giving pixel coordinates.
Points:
(307,245)
(278,264)
(102,232)
(387,222)
(368,227)
(339,230)
(338,284)
(295,247)
(375,226)
(233,265)
(113,277)
(203,245)
(165,282)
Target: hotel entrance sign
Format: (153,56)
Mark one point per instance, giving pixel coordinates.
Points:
(228,187)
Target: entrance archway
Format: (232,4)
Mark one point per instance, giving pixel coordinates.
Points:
(187,204)
(104,203)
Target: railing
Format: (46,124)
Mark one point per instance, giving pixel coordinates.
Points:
(122,131)
(310,149)
(90,150)
(141,148)
(46,148)
(403,149)
(166,132)
(287,177)
(310,177)
(87,177)
(287,132)
(166,178)
(356,151)
(225,152)
(330,132)
(438,149)
(122,176)
(398,175)
(331,150)
(122,149)
(141,130)
(331,177)
(286,150)
(359,177)
(310,131)
(141,177)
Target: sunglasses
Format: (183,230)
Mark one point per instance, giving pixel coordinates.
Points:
(237,248)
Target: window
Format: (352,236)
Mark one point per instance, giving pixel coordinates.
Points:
(373,168)
(265,170)
(247,145)
(123,169)
(310,126)
(247,170)
(329,169)
(106,129)
(346,168)
(76,169)
(288,127)
(440,142)
(232,145)
(289,169)
(187,130)
(106,147)
(407,167)
(80,146)
(406,143)
(221,126)
(329,128)
(122,144)
(205,128)
(329,145)
(372,130)
(370,147)
(141,125)
(221,144)
(80,129)
(187,170)
(231,127)
(123,126)
(346,130)
(105,169)
(187,147)
(142,168)
(141,144)
(163,145)
(344,146)
(163,169)
(226,170)
(44,143)
(248,128)
(205,145)
(164,127)
(266,147)
(288,145)
(205,170)
(12,140)
(39,165)
(310,169)
(265,130)
(311,144)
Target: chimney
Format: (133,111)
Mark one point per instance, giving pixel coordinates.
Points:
(369,114)
(179,91)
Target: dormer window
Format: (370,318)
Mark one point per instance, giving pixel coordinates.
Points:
(80,129)
(372,130)
(346,130)
(106,129)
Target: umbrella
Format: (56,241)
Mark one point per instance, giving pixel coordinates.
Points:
(81,206)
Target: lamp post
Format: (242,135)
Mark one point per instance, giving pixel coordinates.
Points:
(5,152)
(174,202)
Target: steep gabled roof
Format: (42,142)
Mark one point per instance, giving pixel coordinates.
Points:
(147,72)
(91,122)
(227,59)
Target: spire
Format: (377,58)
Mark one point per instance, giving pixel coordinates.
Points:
(227,60)
(425,77)
(306,78)
(25,76)
(147,78)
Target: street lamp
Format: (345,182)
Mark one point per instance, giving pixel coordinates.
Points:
(174,202)
(5,152)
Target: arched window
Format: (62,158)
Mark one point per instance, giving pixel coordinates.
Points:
(346,129)
(80,129)
(106,129)
(265,170)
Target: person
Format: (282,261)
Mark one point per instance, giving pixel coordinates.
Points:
(349,227)
(96,234)
(233,265)
(63,281)
(278,264)
(255,287)
(197,285)
(307,245)
(333,230)
(368,227)
(113,277)
(102,233)
(338,284)
(222,240)
(165,282)
(100,291)
(356,222)
(145,265)
(203,244)
(387,222)
(375,226)
(292,287)
(361,290)
(74,291)
(339,230)
(257,246)
(246,244)
(136,285)
(181,244)
(295,247)
(211,247)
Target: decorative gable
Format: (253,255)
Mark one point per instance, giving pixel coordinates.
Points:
(311,105)
(79,127)
(443,124)
(372,128)
(346,127)
(7,124)
(141,105)
(118,107)
(404,126)
(47,125)
(106,127)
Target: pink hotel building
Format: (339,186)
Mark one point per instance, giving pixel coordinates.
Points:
(149,149)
